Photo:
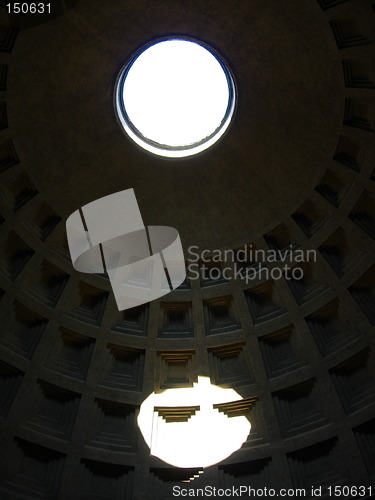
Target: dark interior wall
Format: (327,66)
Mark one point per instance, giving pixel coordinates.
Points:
(295,168)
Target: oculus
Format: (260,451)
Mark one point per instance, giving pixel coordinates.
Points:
(175,97)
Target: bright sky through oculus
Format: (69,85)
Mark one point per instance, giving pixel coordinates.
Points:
(206,438)
(175,94)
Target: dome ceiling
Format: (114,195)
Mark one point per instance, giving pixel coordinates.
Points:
(283,134)
(294,170)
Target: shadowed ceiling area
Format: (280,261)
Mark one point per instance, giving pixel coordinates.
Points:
(294,171)
(283,134)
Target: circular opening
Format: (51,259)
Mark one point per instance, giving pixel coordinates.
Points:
(184,428)
(175,97)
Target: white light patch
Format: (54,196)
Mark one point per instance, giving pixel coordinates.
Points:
(207,438)
(176,93)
